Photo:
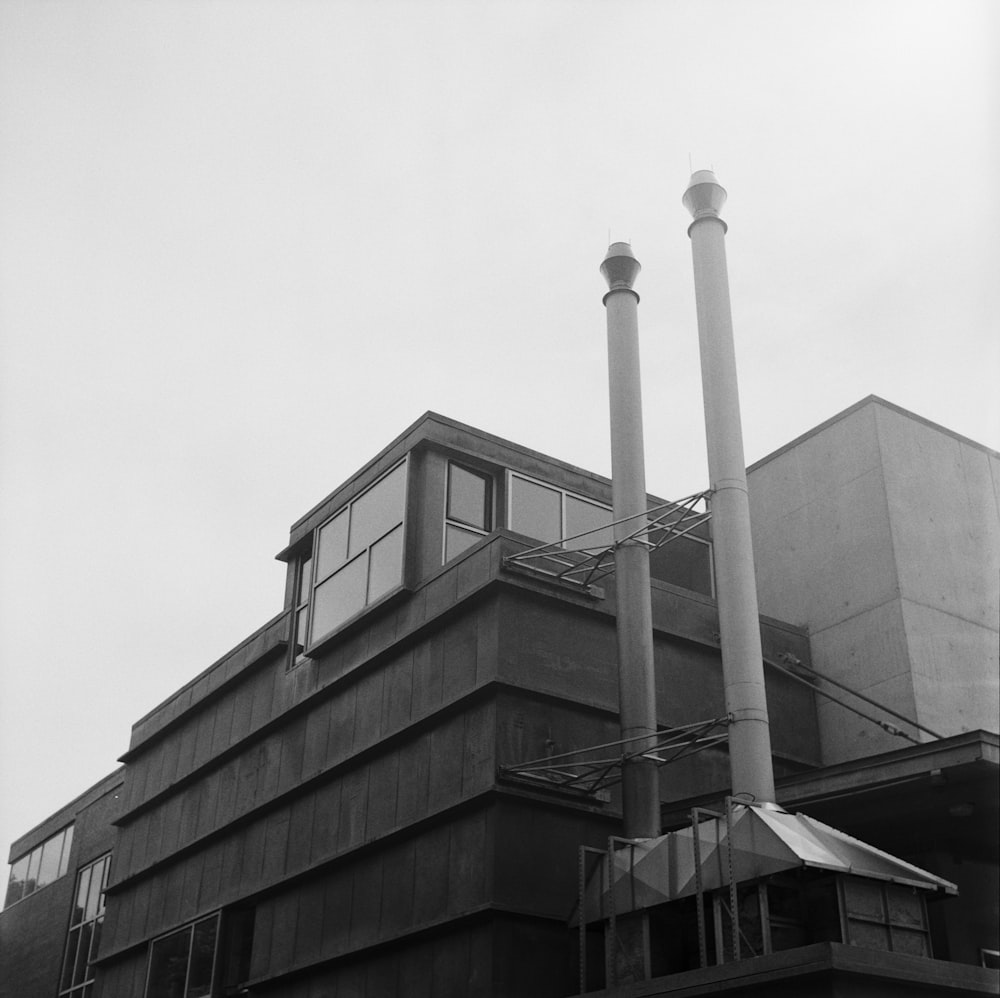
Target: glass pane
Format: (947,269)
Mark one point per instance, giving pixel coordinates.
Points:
(168,963)
(15,885)
(331,549)
(94,893)
(682,562)
(70,962)
(48,869)
(95,942)
(31,881)
(378,510)
(535,510)
(202,958)
(584,516)
(340,597)
(468,497)
(82,889)
(457,540)
(385,564)
(67,845)
(301,625)
(83,953)
(305,581)
(105,876)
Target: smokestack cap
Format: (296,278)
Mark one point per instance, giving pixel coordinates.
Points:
(705,196)
(620,267)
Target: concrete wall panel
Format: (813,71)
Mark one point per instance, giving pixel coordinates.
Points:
(828,559)
(955,676)
(945,519)
(547,647)
(869,653)
(815,467)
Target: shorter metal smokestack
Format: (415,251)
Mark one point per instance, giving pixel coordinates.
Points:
(636,684)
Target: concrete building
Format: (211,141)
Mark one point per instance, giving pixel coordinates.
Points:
(880,533)
(376,792)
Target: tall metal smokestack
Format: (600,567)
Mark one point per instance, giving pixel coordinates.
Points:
(736,589)
(636,684)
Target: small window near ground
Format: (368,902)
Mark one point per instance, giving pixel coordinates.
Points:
(468,515)
(182,963)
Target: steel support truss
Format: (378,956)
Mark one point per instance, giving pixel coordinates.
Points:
(576,562)
(599,766)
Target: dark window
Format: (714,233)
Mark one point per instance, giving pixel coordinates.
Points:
(468,515)
(182,963)
(86,921)
(40,867)
(682,561)
(300,621)
(236,949)
(359,554)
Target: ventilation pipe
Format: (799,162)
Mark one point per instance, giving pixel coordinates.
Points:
(636,684)
(736,588)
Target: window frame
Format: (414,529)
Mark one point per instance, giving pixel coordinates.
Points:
(188,927)
(564,493)
(569,493)
(79,987)
(313,640)
(301,602)
(489,508)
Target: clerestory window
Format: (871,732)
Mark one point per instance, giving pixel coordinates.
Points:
(36,869)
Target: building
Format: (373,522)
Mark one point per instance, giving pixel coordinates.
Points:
(371,795)
(878,531)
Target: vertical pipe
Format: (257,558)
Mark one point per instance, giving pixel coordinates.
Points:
(736,588)
(636,684)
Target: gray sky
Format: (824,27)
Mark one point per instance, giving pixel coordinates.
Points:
(244,244)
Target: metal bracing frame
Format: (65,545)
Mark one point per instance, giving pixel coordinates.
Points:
(588,566)
(577,771)
(586,851)
(809,677)
(697,814)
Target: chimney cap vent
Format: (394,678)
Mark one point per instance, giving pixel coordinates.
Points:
(620,267)
(705,196)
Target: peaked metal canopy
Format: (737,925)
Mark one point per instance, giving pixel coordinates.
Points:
(761,840)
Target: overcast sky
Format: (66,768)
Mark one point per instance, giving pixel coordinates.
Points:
(244,244)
